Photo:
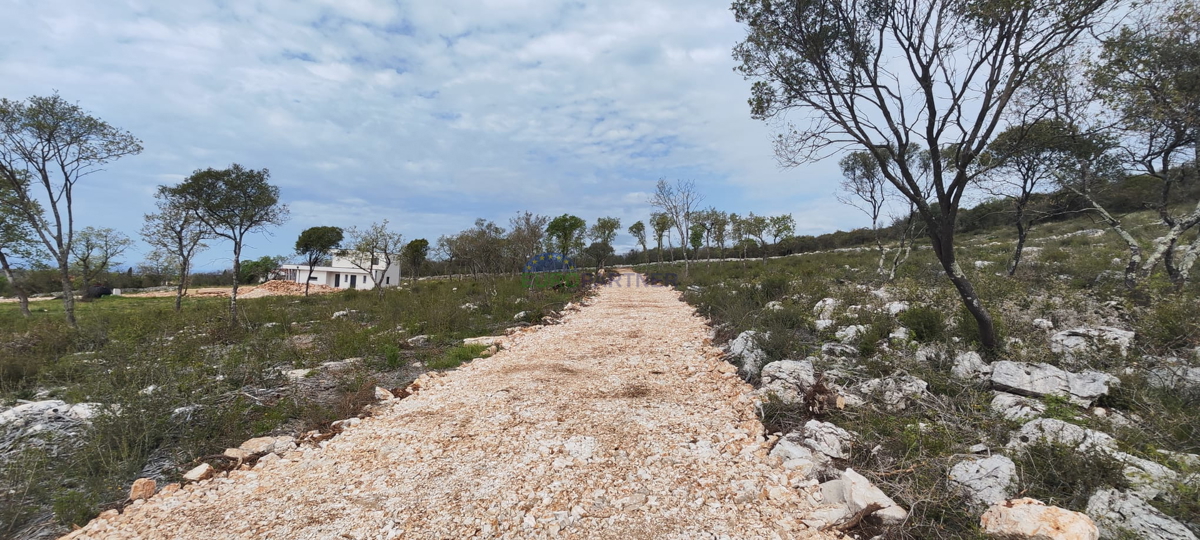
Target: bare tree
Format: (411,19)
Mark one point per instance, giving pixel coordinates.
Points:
(526,235)
(934,74)
(373,250)
(863,188)
(177,233)
(679,202)
(95,251)
(48,145)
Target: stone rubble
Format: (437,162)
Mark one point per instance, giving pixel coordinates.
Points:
(985,481)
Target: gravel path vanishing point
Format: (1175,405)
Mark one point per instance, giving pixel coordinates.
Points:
(622,422)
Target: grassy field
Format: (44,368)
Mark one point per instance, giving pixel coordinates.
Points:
(1070,278)
(174,386)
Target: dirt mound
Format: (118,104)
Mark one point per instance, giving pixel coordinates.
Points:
(285,288)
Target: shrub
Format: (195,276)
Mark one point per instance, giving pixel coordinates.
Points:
(927,324)
(1171,323)
(391,356)
(1061,475)
(456,356)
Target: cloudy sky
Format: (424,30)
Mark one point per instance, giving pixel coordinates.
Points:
(426,113)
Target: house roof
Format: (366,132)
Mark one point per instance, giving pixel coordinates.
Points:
(338,269)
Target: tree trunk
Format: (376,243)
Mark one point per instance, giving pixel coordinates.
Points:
(882,252)
(183,273)
(1188,260)
(943,246)
(68,292)
(1022,232)
(22,296)
(309,278)
(237,271)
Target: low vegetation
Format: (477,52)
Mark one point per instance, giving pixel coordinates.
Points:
(1069,278)
(170,386)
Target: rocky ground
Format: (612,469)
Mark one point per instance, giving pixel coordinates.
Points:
(621,422)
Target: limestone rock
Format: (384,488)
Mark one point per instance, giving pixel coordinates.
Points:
(1115,512)
(1044,324)
(985,481)
(860,494)
(1057,431)
(1071,343)
(237,453)
(382,394)
(268,445)
(789,380)
(1039,380)
(826,438)
(969,365)
(895,308)
(893,393)
(142,488)
(839,350)
(1174,373)
(1021,519)
(850,334)
(823,324)
(520,316)
(486,341)
(825,308)
(773,305)
(745,349)
(1014,407)
(418,341)
(199,473)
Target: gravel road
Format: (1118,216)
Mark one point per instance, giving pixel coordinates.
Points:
(621,422)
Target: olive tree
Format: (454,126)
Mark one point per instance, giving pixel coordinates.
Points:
(885,77)
(47,145)
(232,203)
(566,233)
(661,223)
(604,232)
(314,245)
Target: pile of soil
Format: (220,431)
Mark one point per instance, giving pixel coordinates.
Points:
(285,288)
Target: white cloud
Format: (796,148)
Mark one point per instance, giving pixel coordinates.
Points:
(426,113)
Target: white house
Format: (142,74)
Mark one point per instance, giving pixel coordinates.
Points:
(343,274)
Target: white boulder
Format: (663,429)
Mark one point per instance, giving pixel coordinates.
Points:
(1014,407)
(825,308)
(893,393)
(970,365)
(1118,512)
(826,439)
(985,481)
(895,308)
(1039,380)
(789,380)
(850,334)
(1084,340)
(744,348)
(1029,519)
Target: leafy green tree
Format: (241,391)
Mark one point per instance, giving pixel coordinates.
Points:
(781,227)
(566,232)
(719,226)
(232,203)
(314,245)
(16,240)
(696,237)
(756,227)
(661,223)
(638,231)
(176,235)
(414,254)
(939,75)
(95,252)
(46,146)
(1149,74)
(605,232)
(259,270)
(1021,160)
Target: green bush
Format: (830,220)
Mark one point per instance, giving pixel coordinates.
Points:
(456,356)
(391,356)
(1061,475)
(1171,323)
(926,323)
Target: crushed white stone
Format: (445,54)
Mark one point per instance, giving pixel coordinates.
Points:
(622,422)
